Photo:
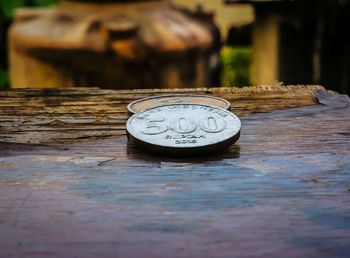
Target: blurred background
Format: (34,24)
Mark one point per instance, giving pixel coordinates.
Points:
(124,44)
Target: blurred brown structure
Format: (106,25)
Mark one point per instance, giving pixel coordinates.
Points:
(301,41)
(113,44)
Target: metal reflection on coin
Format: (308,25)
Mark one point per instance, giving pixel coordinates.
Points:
(154,101)
(184,128)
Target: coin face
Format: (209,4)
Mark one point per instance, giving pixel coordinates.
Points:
(184,128)
(142,104)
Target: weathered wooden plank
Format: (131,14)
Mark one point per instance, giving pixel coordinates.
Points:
(282,190)
(58,116)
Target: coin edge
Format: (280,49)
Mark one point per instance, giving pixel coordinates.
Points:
(131,112)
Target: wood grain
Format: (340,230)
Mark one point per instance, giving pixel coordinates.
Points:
(61,116)
(282,191)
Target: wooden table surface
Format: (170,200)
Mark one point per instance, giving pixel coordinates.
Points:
(71,185)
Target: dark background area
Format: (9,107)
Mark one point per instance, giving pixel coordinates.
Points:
(313,42)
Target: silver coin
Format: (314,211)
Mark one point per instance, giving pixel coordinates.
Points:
(184,128)
(145,103)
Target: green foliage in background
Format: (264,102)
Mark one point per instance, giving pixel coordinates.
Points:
(235,63)
(3,78)
(7,8)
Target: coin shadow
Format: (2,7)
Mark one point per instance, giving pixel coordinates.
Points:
(136,153)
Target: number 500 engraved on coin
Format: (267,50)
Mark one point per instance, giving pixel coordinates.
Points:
(184,125)
(188,128)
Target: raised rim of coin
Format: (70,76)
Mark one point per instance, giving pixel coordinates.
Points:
(151,140)
(171,99)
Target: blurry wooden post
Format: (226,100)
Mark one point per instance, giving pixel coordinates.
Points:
(265,51)
(280,53)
